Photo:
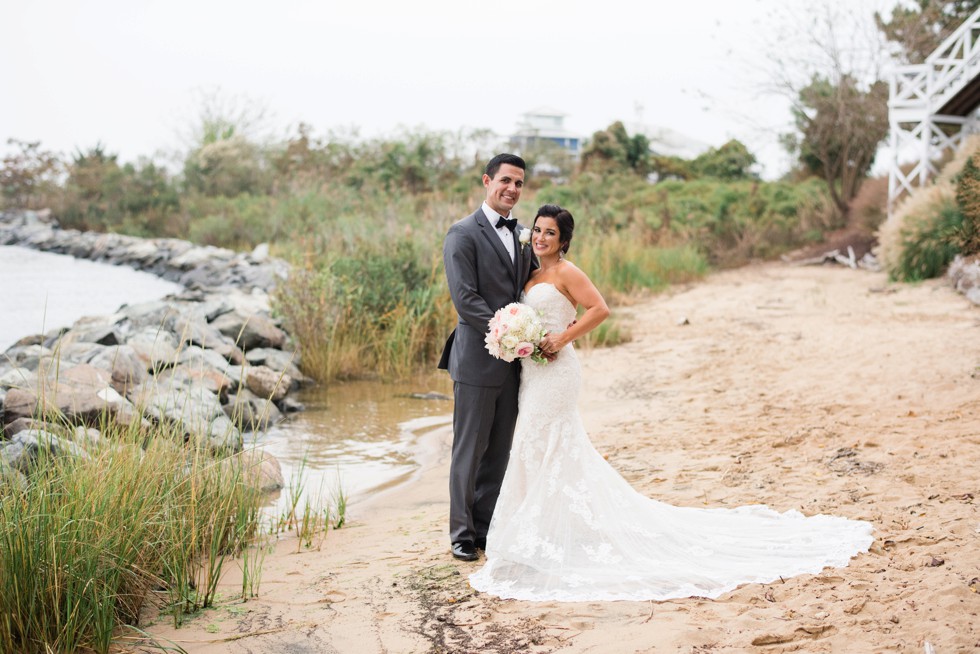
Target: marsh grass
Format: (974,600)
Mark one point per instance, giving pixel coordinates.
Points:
(93,540)
(309,516)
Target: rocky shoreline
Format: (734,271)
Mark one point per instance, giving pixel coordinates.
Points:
(209,363)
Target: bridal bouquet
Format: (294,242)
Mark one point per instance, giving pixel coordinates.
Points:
(515,333)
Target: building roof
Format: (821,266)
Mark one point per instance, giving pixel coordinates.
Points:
(670,142)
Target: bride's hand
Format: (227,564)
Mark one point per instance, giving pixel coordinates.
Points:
(551,344)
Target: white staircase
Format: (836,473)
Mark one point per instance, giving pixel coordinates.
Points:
(931,108)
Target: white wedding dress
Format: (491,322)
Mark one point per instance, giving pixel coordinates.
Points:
(568,527)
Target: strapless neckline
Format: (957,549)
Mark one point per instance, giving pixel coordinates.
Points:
(553,287)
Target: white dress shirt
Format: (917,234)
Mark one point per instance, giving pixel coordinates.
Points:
(506,236)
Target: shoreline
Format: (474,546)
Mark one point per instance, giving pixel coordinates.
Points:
(818,389)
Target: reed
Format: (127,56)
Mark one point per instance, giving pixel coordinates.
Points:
(93,540)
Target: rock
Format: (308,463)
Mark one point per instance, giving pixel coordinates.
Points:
(267,383)
(192,410)
(23,450)
(101,334)
(17,378)
(124,365)
(18,403)
(196,257)
(223,436)
(261,469)
(146,315)
(87,437)
(189,375)
(260,253)
(289,405)
(204,335)
(34,339)
(26,356)
(81,394)
(203,359)
(430,395)
(23,424)
(251,413)
(156,348)
(254,331)
(964,273)
(280,361)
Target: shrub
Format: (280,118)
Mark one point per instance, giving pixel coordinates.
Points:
(968,199)
(918,241)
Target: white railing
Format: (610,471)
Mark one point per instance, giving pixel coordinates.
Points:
(917,93)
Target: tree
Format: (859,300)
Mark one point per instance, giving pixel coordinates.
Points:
(917,30)
(226,156)
(839,128)
(729,162)
(614,149)
(29,177)
(92,190)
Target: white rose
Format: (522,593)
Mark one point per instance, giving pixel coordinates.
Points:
(525,236)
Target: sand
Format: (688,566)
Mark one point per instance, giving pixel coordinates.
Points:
(821,389)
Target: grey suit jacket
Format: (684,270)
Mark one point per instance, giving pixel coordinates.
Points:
(481,279)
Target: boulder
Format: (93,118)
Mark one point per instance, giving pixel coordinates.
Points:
(280,361)
(155,347)
(261,469)
(267,383)
(17,378)
(191,409)
(251,413)
(205,335)
(124,365)
(250,332)
(82,394)
(964,273)
(22,451)
(190,375)
(26,356)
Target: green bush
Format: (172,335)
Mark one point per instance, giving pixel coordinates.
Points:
(930,246)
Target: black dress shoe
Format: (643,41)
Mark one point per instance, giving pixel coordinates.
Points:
(481,544)
(465,551)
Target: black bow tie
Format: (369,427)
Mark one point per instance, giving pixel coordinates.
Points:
(509,223)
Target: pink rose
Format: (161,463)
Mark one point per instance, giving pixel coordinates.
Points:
(524,350)
(514,310)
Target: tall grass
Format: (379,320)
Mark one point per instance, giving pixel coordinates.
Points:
(363,222)
(92,540)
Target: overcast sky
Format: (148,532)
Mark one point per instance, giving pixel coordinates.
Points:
(130,73)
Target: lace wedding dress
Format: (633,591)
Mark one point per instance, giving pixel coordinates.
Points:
(567,527)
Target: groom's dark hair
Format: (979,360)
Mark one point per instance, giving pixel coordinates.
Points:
(494,164)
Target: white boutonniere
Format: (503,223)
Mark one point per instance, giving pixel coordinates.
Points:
(524,237)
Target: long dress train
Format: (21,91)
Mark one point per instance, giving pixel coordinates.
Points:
(568,527)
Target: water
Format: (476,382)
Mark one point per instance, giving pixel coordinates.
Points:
(358,436)
(40,291)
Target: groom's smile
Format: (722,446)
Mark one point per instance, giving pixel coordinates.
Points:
(504,188)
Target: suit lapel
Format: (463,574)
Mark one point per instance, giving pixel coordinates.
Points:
(520,263)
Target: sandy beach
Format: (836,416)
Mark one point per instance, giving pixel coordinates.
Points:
(815,388)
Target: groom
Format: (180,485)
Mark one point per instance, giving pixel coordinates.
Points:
(486,268)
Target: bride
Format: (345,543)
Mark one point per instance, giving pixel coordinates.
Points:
(568,527)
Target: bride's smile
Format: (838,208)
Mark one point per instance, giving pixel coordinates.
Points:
(546,239)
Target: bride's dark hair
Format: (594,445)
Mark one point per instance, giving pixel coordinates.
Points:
(566,224)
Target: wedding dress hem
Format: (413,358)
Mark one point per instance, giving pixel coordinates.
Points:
(567,527)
